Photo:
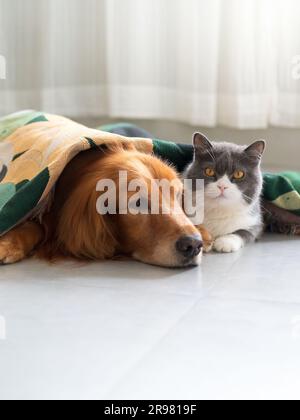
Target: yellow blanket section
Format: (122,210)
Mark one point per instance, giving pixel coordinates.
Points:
(34,155)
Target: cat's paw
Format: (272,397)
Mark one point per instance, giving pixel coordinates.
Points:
(228,244)
(10,253)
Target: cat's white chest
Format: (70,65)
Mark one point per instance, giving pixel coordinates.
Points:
(222,221)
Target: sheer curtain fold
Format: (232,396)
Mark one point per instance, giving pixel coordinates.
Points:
(203,62)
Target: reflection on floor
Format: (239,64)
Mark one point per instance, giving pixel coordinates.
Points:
(119,330)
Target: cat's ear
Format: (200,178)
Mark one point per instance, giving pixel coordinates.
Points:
(201,143)
(256,150)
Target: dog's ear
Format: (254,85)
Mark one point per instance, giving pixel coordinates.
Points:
(83,231)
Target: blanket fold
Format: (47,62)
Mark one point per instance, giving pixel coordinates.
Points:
(36,147)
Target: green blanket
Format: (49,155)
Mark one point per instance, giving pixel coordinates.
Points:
(35,147)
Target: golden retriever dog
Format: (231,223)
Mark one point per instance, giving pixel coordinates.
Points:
(74,228)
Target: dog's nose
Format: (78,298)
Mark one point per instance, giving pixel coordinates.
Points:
(189,246)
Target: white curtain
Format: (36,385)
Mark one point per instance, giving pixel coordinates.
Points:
(203,62)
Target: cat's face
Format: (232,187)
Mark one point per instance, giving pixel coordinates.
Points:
(231,173)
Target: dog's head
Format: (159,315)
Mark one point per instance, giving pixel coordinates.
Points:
(133,225)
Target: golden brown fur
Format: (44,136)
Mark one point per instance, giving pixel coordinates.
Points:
(73,228)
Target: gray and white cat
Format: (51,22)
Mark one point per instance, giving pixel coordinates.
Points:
(233,186)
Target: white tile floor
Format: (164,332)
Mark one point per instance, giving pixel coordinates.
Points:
(229,329)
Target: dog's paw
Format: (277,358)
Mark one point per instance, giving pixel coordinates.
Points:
(10,253)
(208,241)
(228,244)
(208,246)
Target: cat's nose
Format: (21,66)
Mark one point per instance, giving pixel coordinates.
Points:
(222,188)
(189,246)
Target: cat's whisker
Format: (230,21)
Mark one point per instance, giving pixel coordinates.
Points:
(261,205)
(265,209)
(212,155)
(247,197)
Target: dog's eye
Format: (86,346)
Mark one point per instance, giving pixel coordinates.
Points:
(238,175)
(210,172)
(140,205)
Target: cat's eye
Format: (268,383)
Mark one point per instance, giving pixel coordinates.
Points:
(238,175)
(210,172)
